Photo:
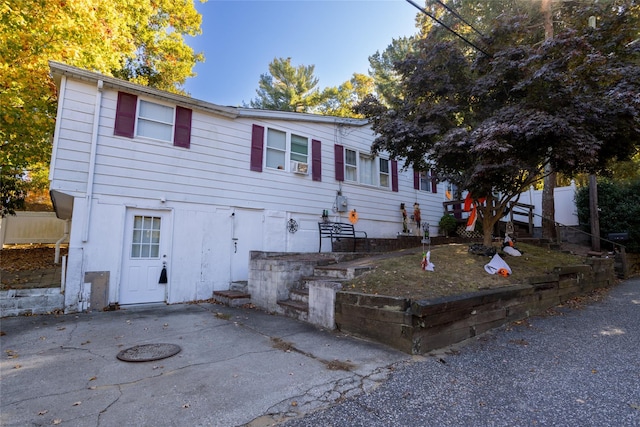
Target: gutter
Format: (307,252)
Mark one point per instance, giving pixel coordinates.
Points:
(92,161)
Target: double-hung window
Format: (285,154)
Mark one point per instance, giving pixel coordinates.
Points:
(384,172)
(285,151)
(142,118)
(368,170)
(276,149)
(350,165)
(282,146)
(425,181)
(363,168)
(155,121)
(299,150)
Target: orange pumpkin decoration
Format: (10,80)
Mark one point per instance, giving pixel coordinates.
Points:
(353,216)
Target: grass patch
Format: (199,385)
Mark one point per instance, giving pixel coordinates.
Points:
(456,272)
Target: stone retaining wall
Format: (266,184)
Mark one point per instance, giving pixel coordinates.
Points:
(417,327)
(21,302)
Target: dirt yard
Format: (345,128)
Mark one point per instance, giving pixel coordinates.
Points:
(457,271)
(27,266)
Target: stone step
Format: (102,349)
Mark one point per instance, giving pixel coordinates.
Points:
(232,298)
(301,295)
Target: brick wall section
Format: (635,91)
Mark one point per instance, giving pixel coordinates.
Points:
(417,327)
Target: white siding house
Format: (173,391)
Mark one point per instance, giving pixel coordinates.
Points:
(151,179)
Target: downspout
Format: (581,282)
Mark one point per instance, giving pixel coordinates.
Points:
(92,162)
(56,259)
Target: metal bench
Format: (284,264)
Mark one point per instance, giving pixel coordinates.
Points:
(339,230)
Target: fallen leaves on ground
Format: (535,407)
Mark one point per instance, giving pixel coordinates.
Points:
(456,272)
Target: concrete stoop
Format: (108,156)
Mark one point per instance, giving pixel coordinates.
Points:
(236,296)
(232,298)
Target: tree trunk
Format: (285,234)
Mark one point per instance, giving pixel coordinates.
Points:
(548,203)
(489,220)
(548,207)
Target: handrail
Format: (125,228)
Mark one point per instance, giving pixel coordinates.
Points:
(530,214)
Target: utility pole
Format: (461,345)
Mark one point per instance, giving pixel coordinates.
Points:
(549,181)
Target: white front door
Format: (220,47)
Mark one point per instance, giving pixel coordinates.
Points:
(144,256)
(246,236)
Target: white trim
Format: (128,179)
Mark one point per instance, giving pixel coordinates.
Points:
(56,132)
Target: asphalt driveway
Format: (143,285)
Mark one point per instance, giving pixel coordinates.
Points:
(580,367)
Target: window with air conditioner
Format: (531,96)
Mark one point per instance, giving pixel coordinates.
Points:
(287,151)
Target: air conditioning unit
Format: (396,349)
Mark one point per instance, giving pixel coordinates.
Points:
(299,167)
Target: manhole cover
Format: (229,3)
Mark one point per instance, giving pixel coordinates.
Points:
(148,352)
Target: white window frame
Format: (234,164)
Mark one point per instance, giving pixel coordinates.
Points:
(289,154)
(170,125)
(355,169)
(351,167)
(382,174)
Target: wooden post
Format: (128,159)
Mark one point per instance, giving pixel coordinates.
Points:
(594,217)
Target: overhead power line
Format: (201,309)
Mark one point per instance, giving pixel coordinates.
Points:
(467,41)
(457,15)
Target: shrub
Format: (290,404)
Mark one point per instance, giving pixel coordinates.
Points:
(448,224)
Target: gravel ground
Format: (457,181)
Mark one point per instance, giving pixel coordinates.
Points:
(578,368)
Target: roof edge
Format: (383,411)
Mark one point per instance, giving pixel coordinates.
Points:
(59,69)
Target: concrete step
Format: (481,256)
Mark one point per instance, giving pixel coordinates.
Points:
(301,295)
(239,286)
(346,272)
(232,298)
(295,309)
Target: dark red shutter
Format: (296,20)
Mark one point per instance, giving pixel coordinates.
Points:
(257,144)
(416,179)
(316,160)
(434,182)
(125,115)
(394,175)
(182,133)
(338,151)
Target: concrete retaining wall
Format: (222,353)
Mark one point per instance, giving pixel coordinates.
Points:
(20,302)
(417,327)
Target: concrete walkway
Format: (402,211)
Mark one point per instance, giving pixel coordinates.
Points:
(236,367)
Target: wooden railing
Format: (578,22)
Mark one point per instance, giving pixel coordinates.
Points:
(516,212)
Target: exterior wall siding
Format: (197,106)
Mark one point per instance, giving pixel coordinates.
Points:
(204,187)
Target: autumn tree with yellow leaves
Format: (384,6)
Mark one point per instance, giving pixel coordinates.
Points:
(139,41)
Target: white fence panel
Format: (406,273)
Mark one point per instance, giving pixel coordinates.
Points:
(31,228)
(565,205)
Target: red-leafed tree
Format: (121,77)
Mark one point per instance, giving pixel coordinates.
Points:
(490,123)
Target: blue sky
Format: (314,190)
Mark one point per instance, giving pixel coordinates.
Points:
(240,38)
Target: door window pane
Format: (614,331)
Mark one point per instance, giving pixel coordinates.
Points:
(145,238)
